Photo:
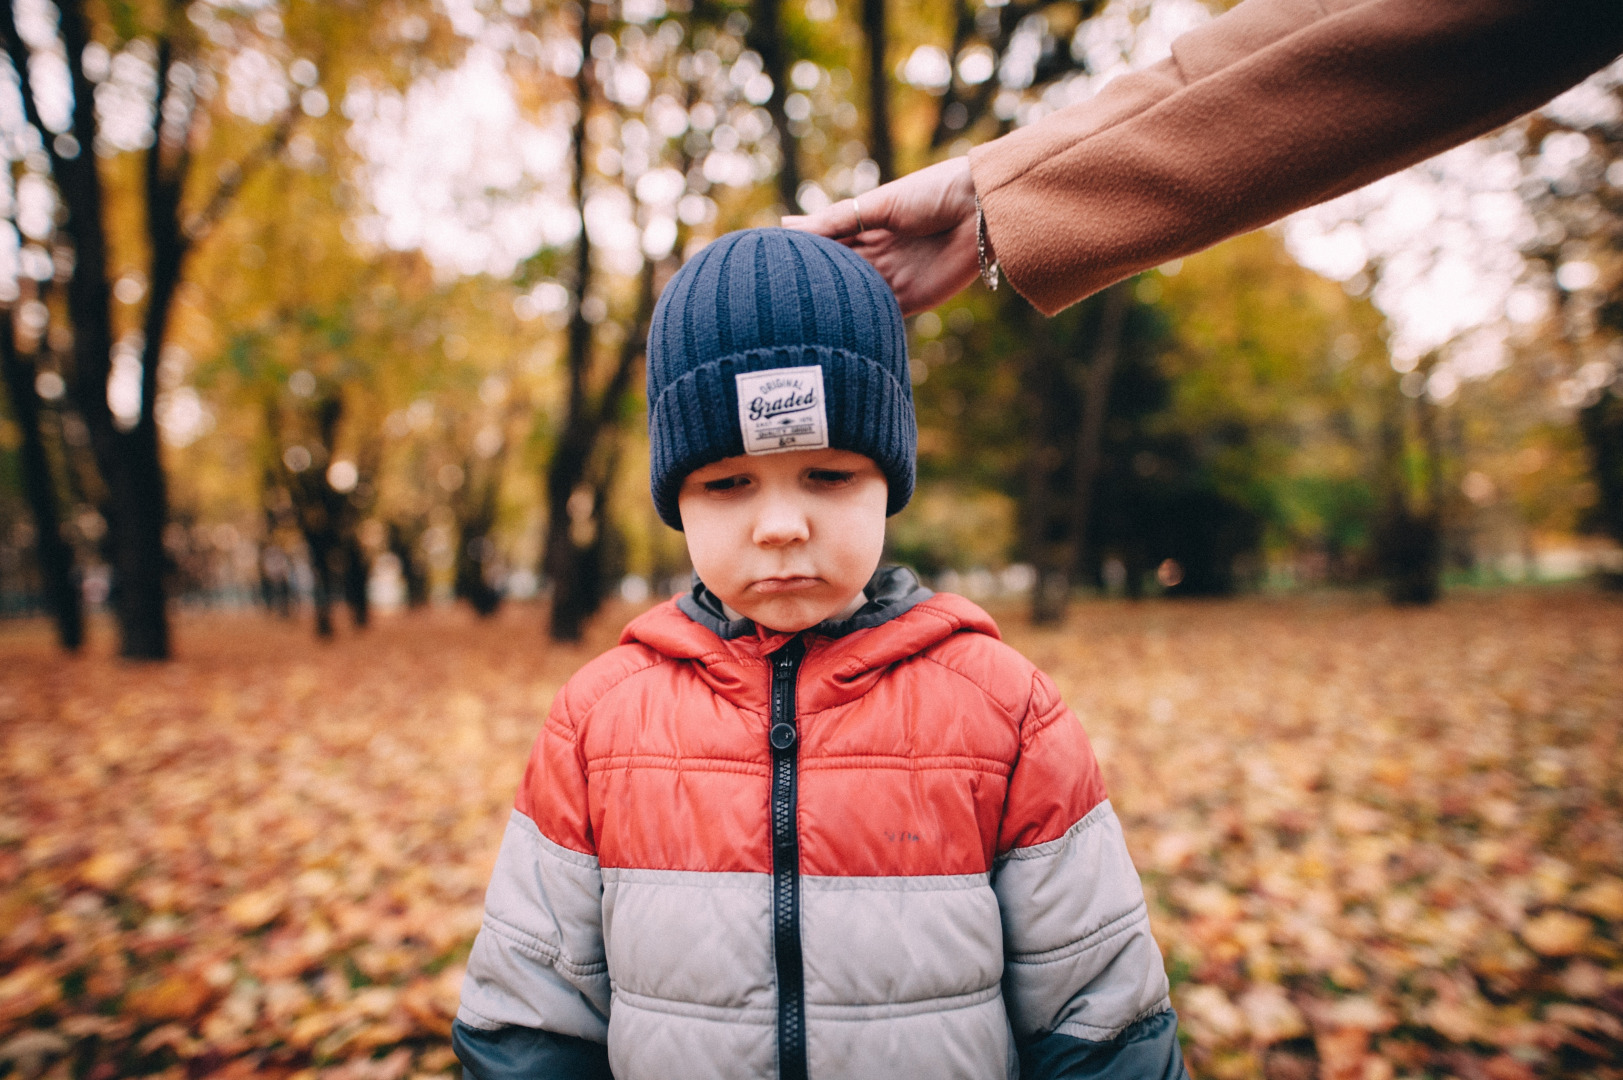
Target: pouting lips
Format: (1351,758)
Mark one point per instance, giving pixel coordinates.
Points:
(785,584)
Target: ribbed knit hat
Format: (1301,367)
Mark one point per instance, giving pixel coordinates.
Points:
(771,340)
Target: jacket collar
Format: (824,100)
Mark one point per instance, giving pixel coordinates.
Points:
(843,659)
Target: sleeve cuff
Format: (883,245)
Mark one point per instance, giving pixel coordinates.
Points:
(511,1053)
(1146,1050)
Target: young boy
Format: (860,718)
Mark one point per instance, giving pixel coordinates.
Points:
(810,819)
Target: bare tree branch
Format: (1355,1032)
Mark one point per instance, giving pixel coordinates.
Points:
(78,185)
(22,65)
(155,179)
(977,101)
(199,224)
(631,351)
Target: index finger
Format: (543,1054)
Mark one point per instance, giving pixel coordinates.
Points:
(837,221)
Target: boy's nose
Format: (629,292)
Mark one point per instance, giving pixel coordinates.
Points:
(782,520)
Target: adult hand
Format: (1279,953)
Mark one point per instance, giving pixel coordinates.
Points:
(918,232)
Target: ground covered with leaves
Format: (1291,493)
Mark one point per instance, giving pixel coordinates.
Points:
(1376,843)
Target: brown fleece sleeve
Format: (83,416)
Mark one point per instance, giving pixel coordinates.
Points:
(1271,107)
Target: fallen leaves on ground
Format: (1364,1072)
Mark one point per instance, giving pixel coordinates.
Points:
(1375,843)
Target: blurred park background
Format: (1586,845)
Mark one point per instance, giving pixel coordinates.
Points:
(321,331)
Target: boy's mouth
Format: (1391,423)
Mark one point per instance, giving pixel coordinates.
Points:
(775,585)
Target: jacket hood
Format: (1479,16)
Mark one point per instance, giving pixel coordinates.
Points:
(843,657)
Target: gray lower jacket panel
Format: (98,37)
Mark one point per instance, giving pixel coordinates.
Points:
(899,969)
(538,960)
(927,971)
(647,1042)
(691,939)
(882,944)
(1080,958)
(931,971)
(905,971)
(967,1043)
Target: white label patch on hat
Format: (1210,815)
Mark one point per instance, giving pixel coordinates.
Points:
(782,409)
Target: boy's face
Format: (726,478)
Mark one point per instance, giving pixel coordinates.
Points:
(788,539)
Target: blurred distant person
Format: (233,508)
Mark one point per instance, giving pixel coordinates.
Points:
(1271,107)
(276,580)
(809,820)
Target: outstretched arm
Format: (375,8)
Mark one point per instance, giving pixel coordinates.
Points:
(1271,107)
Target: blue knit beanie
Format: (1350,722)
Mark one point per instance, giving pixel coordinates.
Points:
(771,340)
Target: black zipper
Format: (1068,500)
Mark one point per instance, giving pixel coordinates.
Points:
(785,744)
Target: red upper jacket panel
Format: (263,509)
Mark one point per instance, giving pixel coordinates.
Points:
(927,747)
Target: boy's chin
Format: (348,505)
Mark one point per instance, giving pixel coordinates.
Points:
(786,618)
(790,615)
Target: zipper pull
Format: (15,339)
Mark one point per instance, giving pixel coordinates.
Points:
(782,736)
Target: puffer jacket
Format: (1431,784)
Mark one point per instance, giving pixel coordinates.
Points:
(877,848)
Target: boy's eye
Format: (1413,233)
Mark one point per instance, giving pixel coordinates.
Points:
(726,483)
(829,477)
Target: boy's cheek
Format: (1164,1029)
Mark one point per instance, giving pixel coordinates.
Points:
(709,542)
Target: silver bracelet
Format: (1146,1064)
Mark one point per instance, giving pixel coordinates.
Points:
(989,270)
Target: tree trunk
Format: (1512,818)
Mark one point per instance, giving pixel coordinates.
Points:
(1062,531)
(129,461)
(1050,554)
(1602,425)
(1095,406)
(323,543)
(322,579)
(141,563)
(564,561)
(54,554)
(766,37)
(275,584)
(881,148)
(403,544)
(577,485)
(475,552)
(1410,553)
(1047,545)
(1408,544)
(326,519)
(573,560)
(357,571)
(574,554)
